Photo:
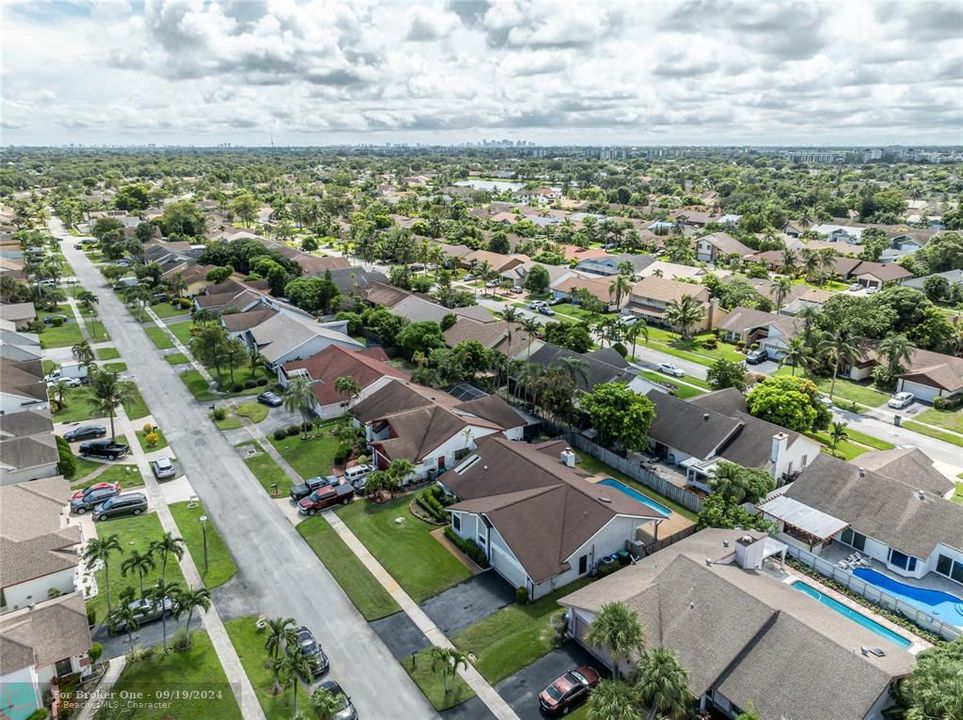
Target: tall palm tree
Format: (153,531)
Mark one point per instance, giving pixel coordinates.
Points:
(280,632)
(684,313)
(634,330)
(896,350)
(299,397)
(140,563)
(797,354)
(839,349)
(291,668)
(447,661)
(787,263)
(575,368)
(190,600)
(663,684)
(100,549)
(614,700)
(165,547)
(837,433)
(158,593)
(781,287)
(346,385)
(255,359)
(532,329)
(83,354)
(109,392)
(124,617)
(617,630)
(620,287)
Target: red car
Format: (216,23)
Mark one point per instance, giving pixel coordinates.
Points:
(325,497)
(96,486)
(568,691)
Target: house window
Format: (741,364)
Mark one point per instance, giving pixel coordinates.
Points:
(63,667)
(957,572)
(456,522)
(855,539)
(902,561)
(944,565)
(582,564)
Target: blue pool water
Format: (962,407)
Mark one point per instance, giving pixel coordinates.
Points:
(941,605)
(636,495)
(856,617)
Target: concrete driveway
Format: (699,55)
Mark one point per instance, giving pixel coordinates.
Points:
(468,602)
(521,689)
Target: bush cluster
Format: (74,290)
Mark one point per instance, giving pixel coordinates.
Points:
(469,547)
(427,500)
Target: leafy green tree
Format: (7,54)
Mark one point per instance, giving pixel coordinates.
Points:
(183,219)
(499,244)
(325,703)
(423,336)
(219,274)
(617,630)
(720,511)
(100,549)
(935,687)
(663,684)
(739,483)
(537,279)
(725,374)
(619,414)
(280,632)
(790,402)
(244,206)
(614,700)
(134,197)
(572,336)
(210,345)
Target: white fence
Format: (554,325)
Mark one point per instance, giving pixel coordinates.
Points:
(873,593)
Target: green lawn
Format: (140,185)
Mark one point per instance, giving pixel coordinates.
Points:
(576,312)
(514,637)
(864,439)
(592,465)
(310,457)
(406,549)
(197,668)
(255,412)
(166,310)
(127,475)
(958,493)
(267,471)
(134,404)
(938,434)
(95,328)
(115,367)
(681,391)
(861,393)
(198,386)
(249,643)
(82,468)
(220,564)
(230,422)
(107,353)
(81,405)
(48,366)
(159,337)
(182,331)
(177,358)
(430,683)
(133,533)
(159,445)
(371,599)
(672,344)
(845,449)
(66,335)
(943,418)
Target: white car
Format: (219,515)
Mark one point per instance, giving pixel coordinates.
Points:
(536,304)
(855,287)
(68,382)
(163,468)
(670,369)
(901,400)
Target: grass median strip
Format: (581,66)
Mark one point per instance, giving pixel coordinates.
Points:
(430,682)
(933,433)
(220,564)
(177,358)
(159,337)
(311,456)
(146,446)
(107,353)
(266,470)
(134,404)
(371,599)
(248,641)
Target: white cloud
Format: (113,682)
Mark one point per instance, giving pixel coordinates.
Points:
(327,71)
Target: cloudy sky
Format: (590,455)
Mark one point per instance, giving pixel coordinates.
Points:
(318,72)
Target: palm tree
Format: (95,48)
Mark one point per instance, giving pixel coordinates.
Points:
(663,684)
(447,661)
(614,700)
(837,433)
(896,350)
(110,393)
(87,300)
(100,549)
(140,563)
(347,386)
(683,314)
(398,470)
(280,632)
(839,350)
(787,263)
(325,703)
(797,354)
(632,332)
(617,630)
(60,391)
(83,354)
(124,617)
(726,480)
(256,360)
(575,368)
(532,329)
(166,546)
(781,287)
(291,668)
(158,594)
(298,396)
(189,601)
(620,287)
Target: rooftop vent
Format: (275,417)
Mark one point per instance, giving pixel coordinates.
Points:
(605,499)
(708,561)
(725,543)
(862,472)
(705,417)
(921,495)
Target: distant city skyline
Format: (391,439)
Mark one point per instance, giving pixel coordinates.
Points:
(696,73)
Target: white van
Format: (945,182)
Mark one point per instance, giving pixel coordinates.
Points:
(357,473)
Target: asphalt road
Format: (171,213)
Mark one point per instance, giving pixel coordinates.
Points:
(278,573)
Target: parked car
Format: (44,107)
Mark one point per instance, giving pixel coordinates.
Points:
(546,310)
(127,504)
(163,468)
(122,263)
(302,490)
(356,475)
(855,287)
(568,691)
(670,369)
(96,486)
(754,357)
(492,283)
(78,246)
(628,319)
(68,382)
(51,319)
(901,400)
(468,277)
(312,651)
(346,710)
(325,497)
(271,399)
(517,289)
(146,610)
(85,432)
(106,449)
(92,499)
(536,304)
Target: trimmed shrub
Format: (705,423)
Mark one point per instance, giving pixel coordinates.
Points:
(250,383)
(262,381)
(56,321)
(294,430)
(620,349)
(219,413)
(236,387)
(469,547)
(148,428)
(280,434)
(152,438)
(67,465)
(342,453)
(429,503)
(96,650)
(91,615)
(710,343)
(521,595)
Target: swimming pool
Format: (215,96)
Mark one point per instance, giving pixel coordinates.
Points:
(939,604)
(636,495)
(856,617)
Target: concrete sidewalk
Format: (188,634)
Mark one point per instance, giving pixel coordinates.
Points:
(115,667)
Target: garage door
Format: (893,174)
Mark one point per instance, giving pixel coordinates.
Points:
(922,392)
(507,568)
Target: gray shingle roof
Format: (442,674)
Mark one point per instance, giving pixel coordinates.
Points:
(22,424)
(51,631)
(908,465)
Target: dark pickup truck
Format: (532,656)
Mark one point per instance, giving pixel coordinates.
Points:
(302,490)
(106,449)
(326,497)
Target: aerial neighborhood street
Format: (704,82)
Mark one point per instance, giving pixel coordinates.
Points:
(481,361)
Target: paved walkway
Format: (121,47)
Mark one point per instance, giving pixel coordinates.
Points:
(115,667)
(470,675)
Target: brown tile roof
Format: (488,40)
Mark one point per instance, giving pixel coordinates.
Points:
(666,290)
(18,312)
(385,295)
(392,398)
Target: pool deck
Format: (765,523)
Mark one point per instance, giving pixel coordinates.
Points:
(671,525)
(931,581)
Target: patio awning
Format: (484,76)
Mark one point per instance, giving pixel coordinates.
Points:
(815,522)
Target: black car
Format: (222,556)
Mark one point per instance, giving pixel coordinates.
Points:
(126,504)
(271,399)
(106,449)
(757,356)
(51,319)
(92,499)
(312,651)
(302,490)
(346,710)
(85,432)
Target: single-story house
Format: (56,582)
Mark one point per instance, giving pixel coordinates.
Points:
(22,315)
(692,218)
(596,367)
(718,246)
(22,386)
(651,296)
(697,434)
(499,263)
(493,335)
(354,279)
(746,638)
(875,275)
(772,332)
(237,323)
(676,271)
(285,337)
(928,375)
(597,287)
(953,277)
(609,264)
(28,449)
(18,346)
(839,233)
(541,523)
